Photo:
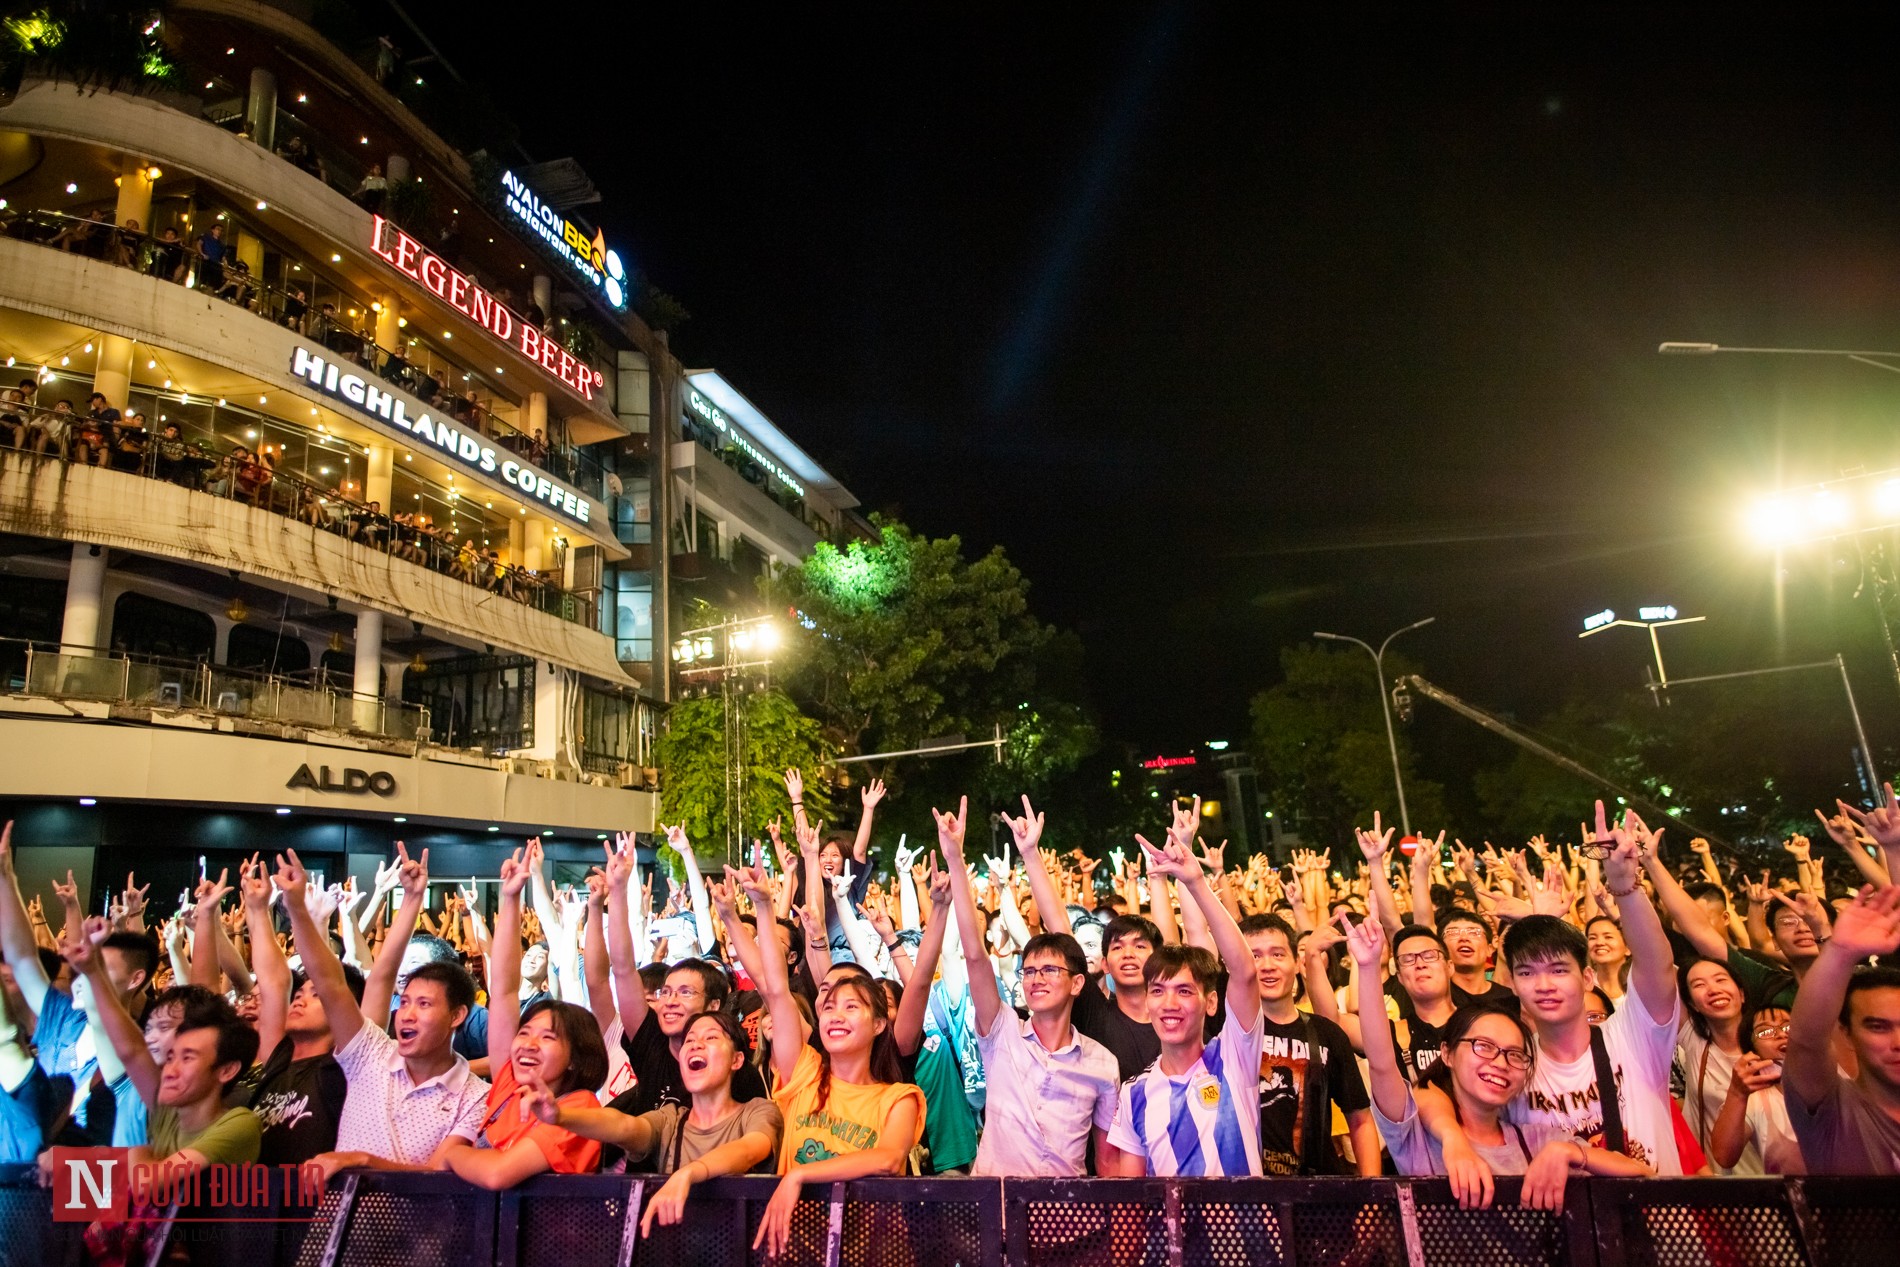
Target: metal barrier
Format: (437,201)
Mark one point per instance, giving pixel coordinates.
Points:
(380,1219)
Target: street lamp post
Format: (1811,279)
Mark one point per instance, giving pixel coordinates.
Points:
(1879,360)
(1385,704)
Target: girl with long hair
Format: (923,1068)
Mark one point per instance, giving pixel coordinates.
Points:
(555,1052)
(848,1114)
(1707,1047)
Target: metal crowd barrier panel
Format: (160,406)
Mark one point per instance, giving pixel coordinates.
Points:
(382,1219)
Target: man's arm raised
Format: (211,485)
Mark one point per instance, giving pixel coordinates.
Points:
(320,963)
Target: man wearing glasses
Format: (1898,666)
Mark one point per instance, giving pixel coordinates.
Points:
(655,1028)
(1425,1002)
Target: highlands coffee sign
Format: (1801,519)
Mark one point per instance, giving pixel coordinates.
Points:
(349,781)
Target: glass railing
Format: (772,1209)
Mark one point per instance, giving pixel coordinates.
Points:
(416,367)
(243,475)
(308,700)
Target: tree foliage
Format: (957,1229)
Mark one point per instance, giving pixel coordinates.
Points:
(1319,744)
(901,640)
(694,789)
(96,44)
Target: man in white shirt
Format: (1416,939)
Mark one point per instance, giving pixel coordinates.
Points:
(1549,962)
(1196,1110)
(411,1094)
(1050,1087)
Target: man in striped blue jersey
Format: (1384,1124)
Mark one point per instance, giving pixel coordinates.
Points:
(1196,1110)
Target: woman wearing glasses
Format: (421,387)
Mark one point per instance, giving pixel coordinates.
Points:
(1483,1064)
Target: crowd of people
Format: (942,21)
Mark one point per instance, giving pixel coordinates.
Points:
(124,440)
(1547,1011)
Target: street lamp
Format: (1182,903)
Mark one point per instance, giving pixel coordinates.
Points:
(1879,360)
(1652,619)
(1385,705)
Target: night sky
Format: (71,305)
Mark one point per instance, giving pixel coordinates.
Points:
(1229,330)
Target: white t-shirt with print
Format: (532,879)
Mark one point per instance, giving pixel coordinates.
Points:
(1563,1095)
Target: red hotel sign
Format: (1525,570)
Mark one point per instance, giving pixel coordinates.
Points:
(418,263)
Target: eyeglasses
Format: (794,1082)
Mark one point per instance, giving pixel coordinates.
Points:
(684,993)
(1597,850)
(1596,1018)
(1485,1049)
(1046,972)
(1421,958)
(1772,1031)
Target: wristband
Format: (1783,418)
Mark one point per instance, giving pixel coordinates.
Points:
(798,805)
(892,944)
(1634,886)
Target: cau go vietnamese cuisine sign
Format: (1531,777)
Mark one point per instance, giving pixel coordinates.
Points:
(588,256)
(415,261)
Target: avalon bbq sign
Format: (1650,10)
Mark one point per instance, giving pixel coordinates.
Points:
(353,782)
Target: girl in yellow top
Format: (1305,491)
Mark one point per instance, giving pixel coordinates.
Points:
(847,1113)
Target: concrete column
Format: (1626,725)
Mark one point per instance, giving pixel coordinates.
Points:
(378,479)
(517,540)
(395,168)
(249,248)
(388,332)
(368,686)
(535,417)
(664,385)
(534,553)
(85,597)
(544,294)
(113,373)
(260,108)
(135,193)
(547,712)
(221,645)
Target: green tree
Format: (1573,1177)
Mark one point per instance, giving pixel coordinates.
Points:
(92,44)
(1319,744)
(900,641)
(695,788)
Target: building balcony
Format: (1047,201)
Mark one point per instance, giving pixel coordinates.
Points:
(723,492)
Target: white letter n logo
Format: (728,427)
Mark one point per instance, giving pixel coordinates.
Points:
(98,1191)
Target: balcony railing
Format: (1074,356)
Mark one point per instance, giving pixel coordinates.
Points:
(58,671)
(241,474)
(371,1218)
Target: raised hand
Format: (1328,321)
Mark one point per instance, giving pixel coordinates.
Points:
(412,877)
(514,874)
(538,1100)
(1187,822)
(1212,858)
(904,858)
(950,829)
(132,902)
(1881,823)
(939,886)
(1809,908)
(873,793)
(388,876)
(1870,924)
(81,947)
(619,868)
(1797,846)
(1365,942)
(879,919)
(723,896)
(210,894)
(1173,859)
(1756,1073)
(1551,896)
(1027,830)
(1374,844)
(809,837)
(795,784)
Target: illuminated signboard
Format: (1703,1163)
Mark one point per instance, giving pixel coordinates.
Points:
(588,257)
(417,262)
(1168,763)
(716,416)
(1657,613)
(343,383)
(1599,620)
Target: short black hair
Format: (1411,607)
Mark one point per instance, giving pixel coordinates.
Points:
(1539,937)
(1063,944)
(1412,932)
(1708,888)
(713,980)
(198,1006)
(140,951)
(734,1030)
(237,1043)
(1461,915)
(351,974)
(1882,978)
(52,963)
(1270,923)
(439,951)
(456,984)
(1123,925)
(653,976)
(1168,960)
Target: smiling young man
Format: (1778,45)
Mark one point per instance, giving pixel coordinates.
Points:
(1052,1089)
(1196,1111)
(410,1093)
(1550,972)
(1849,1126)
(1467,941)
(1306,1069)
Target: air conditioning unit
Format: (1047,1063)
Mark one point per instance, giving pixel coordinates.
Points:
(598,780)
(520,765)
(632,776)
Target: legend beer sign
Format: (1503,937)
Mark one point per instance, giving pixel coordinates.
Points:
(416,262)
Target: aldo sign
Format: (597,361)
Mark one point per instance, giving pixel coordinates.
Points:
(353,783)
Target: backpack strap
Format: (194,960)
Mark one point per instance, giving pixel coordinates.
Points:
(1613,1137)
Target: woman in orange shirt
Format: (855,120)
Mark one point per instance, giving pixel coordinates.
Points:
(556,1049)
(848,1112)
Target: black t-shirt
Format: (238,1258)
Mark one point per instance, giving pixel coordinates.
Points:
(656,1072)
(1296,1134)
(1496,994)
(1418,1046)
(298,1103)
(1134,1043)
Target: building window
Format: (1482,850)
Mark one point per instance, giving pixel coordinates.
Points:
(633,616)
(152,627)
(31,610)
(484,702)
(616,730)
(633,512)
(253,648)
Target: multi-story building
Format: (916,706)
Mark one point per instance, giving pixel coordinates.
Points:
(366,550)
